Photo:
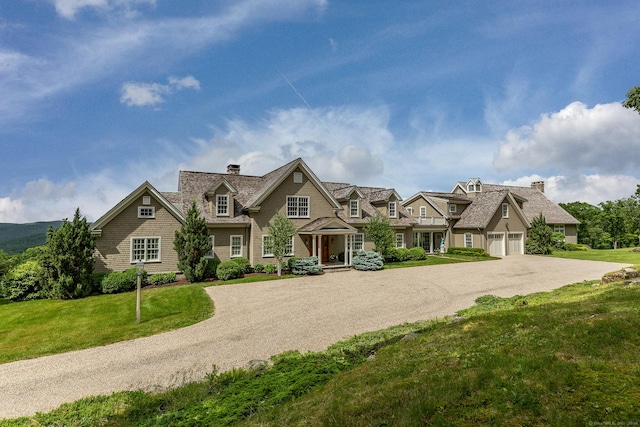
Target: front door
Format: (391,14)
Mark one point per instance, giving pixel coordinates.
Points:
(325,249)
(438,241)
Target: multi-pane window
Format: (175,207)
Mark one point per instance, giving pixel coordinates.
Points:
(505,210)
(392,209)
(453,208)
(267,246)
(558,228)
(358,242)
(236,246)
(222,204)
(354,208)
(145,249)
(146,212)
(210,254)
(468,240)
(399,240)
(298,206)
(423,211)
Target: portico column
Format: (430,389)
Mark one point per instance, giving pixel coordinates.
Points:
(346,249)
(314,248)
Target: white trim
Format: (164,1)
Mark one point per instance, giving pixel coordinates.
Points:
(497,236)
(231,246)
(453,208)
(410,210)
(145,249)
(146,212)
(400,239)
(266,254)
(423,211)
(297,177)
(297,207)
(146,200)
(557,227)
(392,206)
(505,210)
(357,208)
(468,244)
(219,198)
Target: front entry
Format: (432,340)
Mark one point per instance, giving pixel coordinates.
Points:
(324,258)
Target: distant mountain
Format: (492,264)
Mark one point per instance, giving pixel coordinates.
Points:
(16,238)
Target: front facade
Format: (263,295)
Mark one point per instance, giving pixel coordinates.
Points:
(329,218)
(492,217)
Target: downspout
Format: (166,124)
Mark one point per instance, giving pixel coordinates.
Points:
(481,236)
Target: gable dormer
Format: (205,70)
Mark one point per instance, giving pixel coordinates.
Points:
(220,197)
(474,186)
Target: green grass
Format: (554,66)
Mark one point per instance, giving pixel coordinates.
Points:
(37,328)
(625,255)
(567,357)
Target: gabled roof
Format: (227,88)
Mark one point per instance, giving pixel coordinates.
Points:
(222,182)
(484,207)
(378,195)
(327,225)
(343,191)
(167,201)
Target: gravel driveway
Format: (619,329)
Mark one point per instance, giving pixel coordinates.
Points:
(257,320)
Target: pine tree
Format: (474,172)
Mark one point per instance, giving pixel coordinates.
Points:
(67,260)
(539,237)
(191,243)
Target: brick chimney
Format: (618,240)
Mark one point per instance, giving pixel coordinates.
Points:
(233,169)
(539,185)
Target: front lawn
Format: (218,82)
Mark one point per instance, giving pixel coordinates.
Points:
(438,259)
(38,328)
(625,255)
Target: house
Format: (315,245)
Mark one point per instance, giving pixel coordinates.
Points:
(238,209)
(493,217)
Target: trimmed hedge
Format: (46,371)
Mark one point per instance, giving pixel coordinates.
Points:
(417,254)
(467,251)
(162,278)
(212,267)
(228,270)
(116,282)
(244,264)
(302,266)
(270,268)
(367,261)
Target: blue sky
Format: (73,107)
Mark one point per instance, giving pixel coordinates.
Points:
(97,96)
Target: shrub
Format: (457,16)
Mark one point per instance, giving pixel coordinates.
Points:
(228,270)
(467,251)
(418,253)
(258,268)
(23,282)
(125,281)
(270,268)
(290,261)
(243,263)
(212,267)
(162,278)
(302,266)
(368,261)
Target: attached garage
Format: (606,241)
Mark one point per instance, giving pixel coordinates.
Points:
(515,244)
(495,244)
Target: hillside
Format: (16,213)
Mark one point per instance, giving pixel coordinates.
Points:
(15,238)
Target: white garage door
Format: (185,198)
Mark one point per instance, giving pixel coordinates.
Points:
(516,243)
(495,242)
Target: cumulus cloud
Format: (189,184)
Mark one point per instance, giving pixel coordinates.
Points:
(69,8)
(604,139)
(152,94)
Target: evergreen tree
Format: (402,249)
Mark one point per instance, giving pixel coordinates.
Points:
(539,237)
(191,243)
(379,230)
(281,230)
(67,259)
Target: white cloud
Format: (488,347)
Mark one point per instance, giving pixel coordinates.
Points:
(591,189)
(152,94)
(604,139)
(69,8)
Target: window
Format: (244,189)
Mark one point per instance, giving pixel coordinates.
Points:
(392,209)
(453,208)
(146,212)
(222,205)
(505,210)
(354,208)
(298,206)
(468,240)
(236,246)
(145,249)
(399,240)
(267,246)
(559,228)
(297,177)
(211,253)
(423,211)
(358,242)
(410,210)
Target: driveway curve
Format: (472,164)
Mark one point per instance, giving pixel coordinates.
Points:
(258,320)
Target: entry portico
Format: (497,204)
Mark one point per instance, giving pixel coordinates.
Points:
(329,237)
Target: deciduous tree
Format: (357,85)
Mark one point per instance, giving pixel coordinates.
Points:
(633,99)
(281,230)
(379,231)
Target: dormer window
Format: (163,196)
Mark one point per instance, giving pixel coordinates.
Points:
(392,210)
(453,208)
(474,186)
(354,208)
(222,205)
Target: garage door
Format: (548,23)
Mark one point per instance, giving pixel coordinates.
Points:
(495,242)
(516,243)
